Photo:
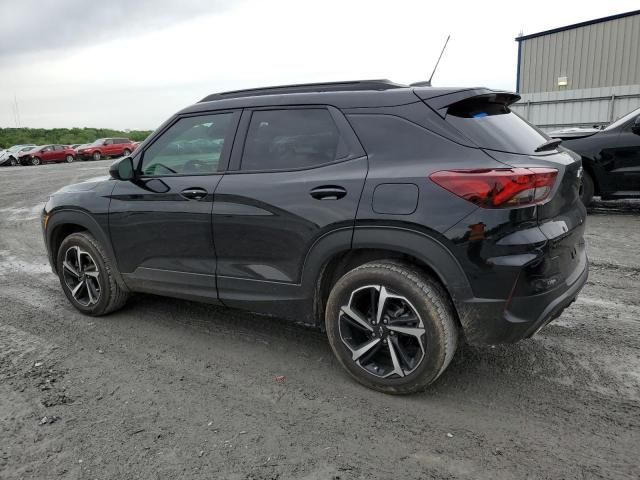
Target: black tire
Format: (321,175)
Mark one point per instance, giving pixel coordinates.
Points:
(587,189)
(35,161)
(96,156)
(13,162)
(126,153)
(69,159)
(422,294)
(111,296)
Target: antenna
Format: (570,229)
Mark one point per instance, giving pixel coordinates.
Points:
(16,111)
(428,82)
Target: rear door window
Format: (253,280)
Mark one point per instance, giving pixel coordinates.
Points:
(288,139)
(488,121)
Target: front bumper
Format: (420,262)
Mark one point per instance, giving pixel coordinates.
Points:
(492,321)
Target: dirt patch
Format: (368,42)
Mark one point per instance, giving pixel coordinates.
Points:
(168,389)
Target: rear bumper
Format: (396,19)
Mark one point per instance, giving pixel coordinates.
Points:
(490,321)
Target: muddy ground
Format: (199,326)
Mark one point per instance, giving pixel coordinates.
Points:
(169,389)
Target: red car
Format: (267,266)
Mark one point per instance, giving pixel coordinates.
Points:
(47,154)
(107,147)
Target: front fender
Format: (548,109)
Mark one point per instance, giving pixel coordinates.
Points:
(58,219)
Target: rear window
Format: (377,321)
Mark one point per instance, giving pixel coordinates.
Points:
(489,123)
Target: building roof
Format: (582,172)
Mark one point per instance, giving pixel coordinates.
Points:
(578,25)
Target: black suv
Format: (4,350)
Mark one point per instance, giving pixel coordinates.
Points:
(399,219)
(610,157)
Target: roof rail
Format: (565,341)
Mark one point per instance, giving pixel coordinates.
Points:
(307,88)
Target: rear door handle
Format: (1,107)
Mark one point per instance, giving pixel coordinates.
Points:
(194,193)
(328,192)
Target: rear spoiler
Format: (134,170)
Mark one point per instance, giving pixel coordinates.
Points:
(441,102)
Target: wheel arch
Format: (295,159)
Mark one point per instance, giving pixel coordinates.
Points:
(63,223)
(384,243)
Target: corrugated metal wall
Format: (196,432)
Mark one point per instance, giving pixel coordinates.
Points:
(578,108)
(599,55)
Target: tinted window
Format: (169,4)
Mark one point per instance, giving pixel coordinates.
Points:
(490,124)
(58,148)
(289,139)
(191,146)
(108,142)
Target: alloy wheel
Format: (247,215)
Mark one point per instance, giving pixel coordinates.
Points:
(383,331)
(69,158)
(81,276)
(35,161)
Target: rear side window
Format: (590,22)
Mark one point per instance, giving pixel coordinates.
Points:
(489,122)
(290,139)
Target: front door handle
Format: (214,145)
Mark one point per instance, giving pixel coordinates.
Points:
(328,192)
(194,193)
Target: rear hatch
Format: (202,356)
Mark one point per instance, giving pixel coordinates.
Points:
(485,118)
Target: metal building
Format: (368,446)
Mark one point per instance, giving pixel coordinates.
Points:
(580,75)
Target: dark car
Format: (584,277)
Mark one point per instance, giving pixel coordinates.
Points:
(610,157)
(400,220)
(9,157)
(47,154)
(106,147)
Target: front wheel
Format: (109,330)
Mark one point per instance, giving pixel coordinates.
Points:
(35,161)
(85,273)
(587,189)
(13,162)
(391,327)
(96,156)
(126,153)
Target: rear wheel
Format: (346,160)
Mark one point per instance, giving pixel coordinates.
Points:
(86,277)
(69,159)
(391,327)
(126,153)
(35,161)
(96,156)
(587,189)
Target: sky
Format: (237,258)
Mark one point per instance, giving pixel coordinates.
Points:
(130,64)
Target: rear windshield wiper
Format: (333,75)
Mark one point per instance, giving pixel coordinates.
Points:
(550,145)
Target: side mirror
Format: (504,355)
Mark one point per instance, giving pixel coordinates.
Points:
(122,169)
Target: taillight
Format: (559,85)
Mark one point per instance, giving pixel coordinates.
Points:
(498,188)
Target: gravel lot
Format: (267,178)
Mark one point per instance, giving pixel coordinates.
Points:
(169,389)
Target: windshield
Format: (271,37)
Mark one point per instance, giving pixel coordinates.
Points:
(623,120)
(100,141)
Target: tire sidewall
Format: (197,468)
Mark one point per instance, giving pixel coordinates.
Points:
(81,240)
(35,161)
(96,156)
(434,340)
(69,159)
(587,190)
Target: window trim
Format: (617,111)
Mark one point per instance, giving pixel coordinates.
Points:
(354,147)
(224,154)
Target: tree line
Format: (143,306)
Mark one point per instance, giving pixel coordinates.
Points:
(64,136)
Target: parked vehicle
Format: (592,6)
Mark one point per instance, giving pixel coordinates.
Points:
(610,157)
(106,147)
(398,219)
(47,154)
(9,157)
